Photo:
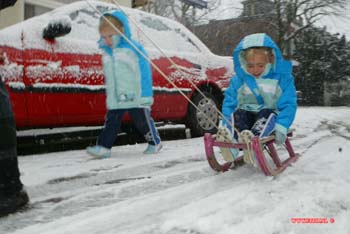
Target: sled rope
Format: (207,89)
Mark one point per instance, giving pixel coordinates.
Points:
(153,65)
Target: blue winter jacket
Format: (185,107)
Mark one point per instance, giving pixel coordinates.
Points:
(128,75)
(274,90)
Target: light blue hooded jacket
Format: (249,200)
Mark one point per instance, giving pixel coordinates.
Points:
(128,74)
(273,90)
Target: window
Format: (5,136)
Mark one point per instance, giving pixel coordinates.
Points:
(34,10)
(138,3)
(178,38)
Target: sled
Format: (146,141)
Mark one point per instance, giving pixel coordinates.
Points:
(268,155)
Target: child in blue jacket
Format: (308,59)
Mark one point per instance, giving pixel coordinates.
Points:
(128,81)
(263,85)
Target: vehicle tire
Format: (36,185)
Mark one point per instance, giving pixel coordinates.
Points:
(197,120)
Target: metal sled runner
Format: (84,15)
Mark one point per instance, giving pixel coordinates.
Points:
(271,158)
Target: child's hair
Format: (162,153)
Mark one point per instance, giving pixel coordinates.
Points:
(259,50)
(106,22)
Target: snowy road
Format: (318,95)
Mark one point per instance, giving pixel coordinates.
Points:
(176,192)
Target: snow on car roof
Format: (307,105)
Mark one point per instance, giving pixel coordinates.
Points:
(85,19)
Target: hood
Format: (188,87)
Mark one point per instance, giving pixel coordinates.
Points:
(120,16)
(260,40)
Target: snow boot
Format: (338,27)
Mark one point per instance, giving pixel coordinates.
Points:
(223,135)
(248,154)
(10,203)
(153,149)
(12,195)
(98,151)
(264,127)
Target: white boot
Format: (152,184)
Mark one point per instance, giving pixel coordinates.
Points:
(245,137)
(98,151)
(153,149)
(224,135)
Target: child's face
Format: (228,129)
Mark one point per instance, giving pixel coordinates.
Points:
(256,64)
(107,33)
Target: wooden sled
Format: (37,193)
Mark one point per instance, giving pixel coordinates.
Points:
(265,150)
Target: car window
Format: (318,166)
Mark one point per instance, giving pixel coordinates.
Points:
(167,34)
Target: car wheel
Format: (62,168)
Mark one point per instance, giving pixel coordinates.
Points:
(198,120)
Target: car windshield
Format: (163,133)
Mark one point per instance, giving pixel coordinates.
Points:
(177,37)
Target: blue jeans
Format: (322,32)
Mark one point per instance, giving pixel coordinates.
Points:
(141,119)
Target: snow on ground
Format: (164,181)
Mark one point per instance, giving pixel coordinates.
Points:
(175,192)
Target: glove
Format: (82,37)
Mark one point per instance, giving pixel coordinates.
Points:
(280,137)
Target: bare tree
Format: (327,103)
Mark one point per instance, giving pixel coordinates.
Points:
(180,10)
(301,14)
(284,19)
(158,7)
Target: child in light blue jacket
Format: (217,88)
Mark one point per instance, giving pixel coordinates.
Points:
(263,85)
(128,81)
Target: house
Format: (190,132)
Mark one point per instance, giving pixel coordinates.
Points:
(25,9)
(222,36)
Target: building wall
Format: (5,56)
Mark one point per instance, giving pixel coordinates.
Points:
(12,15)
(222,36)
(127,3)
(24,9)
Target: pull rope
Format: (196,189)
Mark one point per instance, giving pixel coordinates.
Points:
(175,65)
(153,64)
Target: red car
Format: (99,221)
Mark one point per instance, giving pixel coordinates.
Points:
(54,76)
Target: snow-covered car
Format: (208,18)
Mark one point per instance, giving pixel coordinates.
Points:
(54,74)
